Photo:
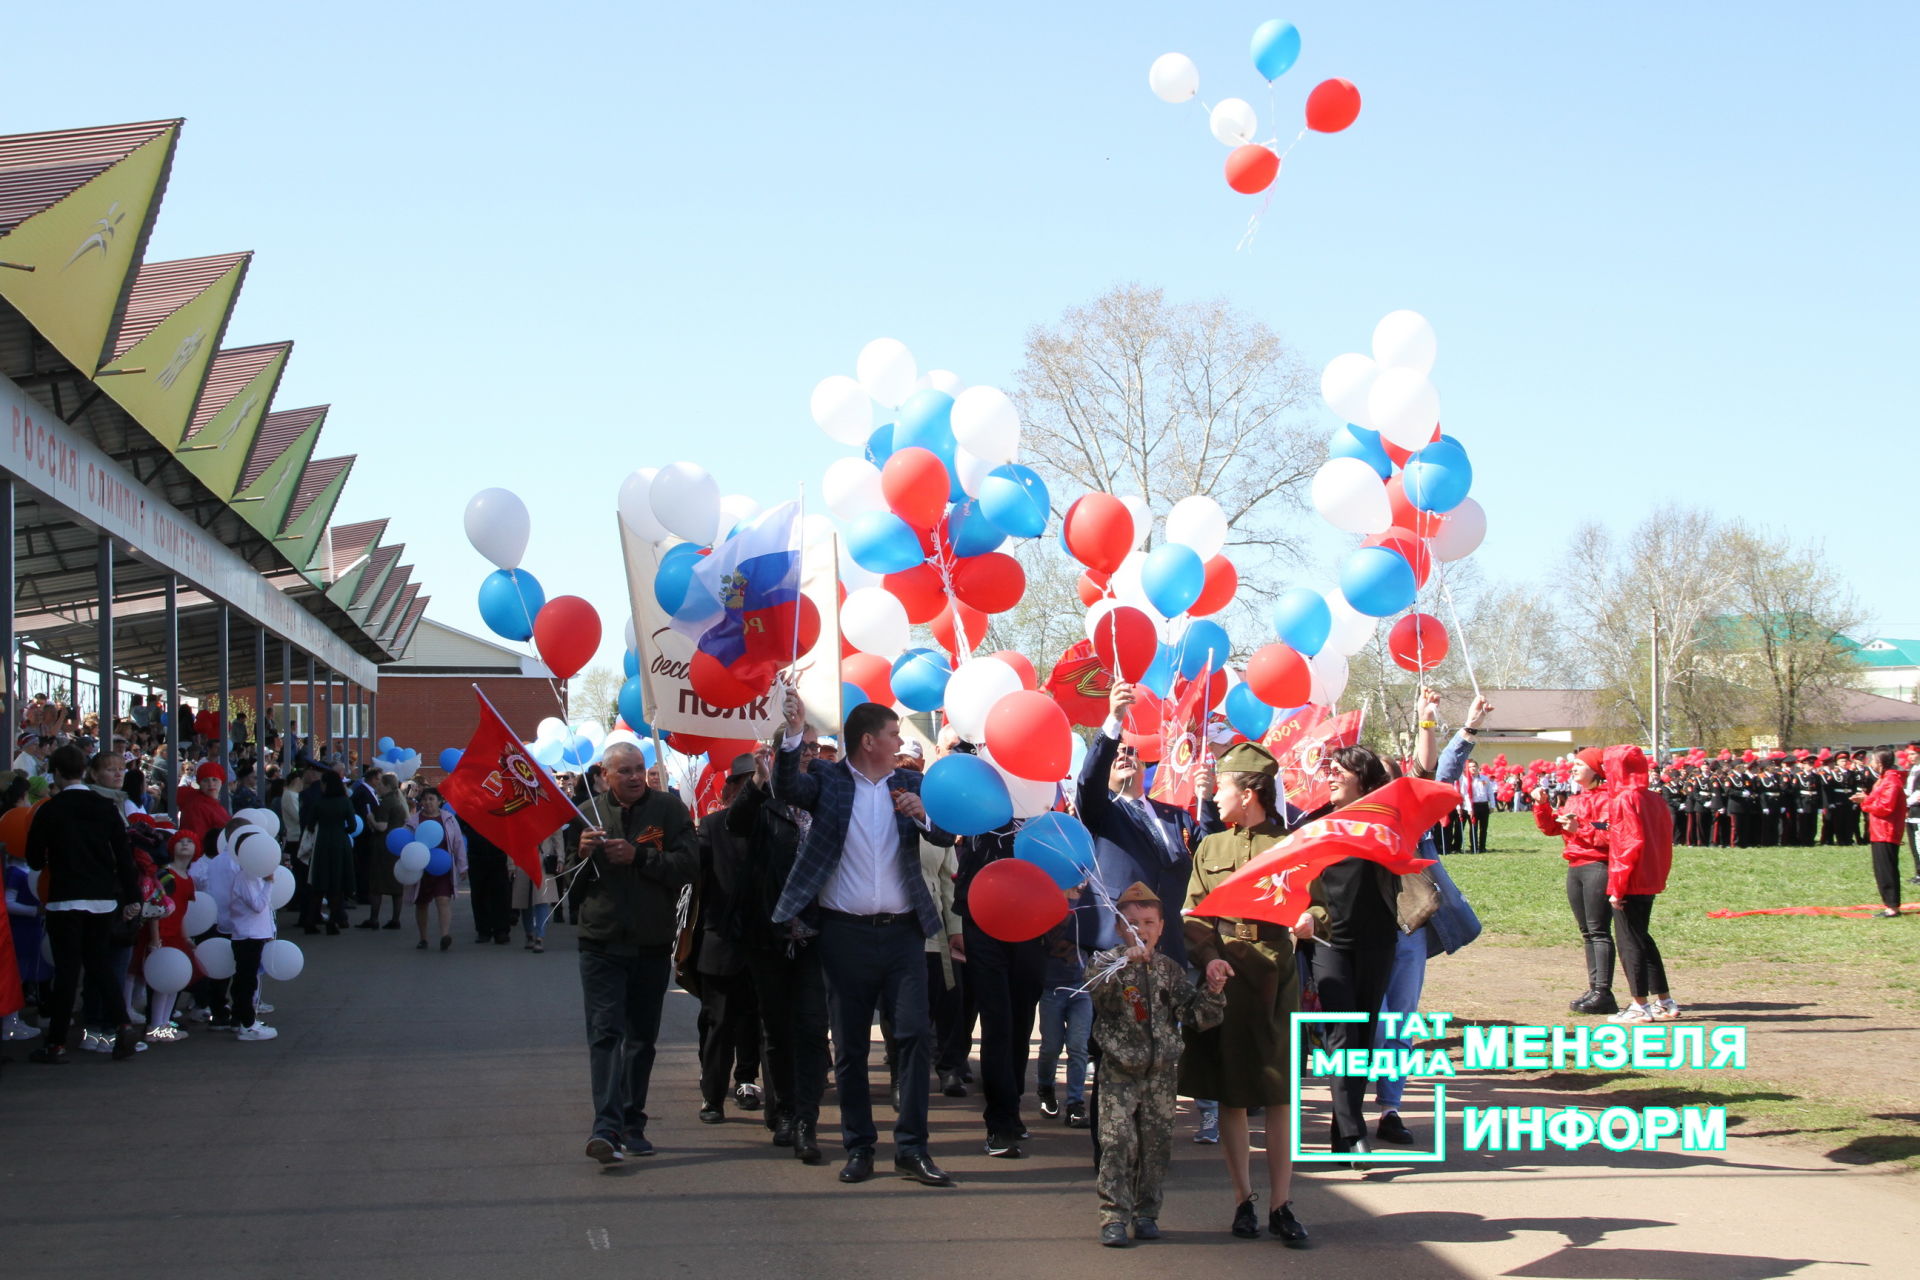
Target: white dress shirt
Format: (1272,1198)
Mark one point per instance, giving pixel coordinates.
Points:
(868,881)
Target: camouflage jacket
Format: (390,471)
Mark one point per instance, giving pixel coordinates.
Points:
(1138,1013)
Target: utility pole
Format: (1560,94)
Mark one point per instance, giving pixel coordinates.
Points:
(1655,699)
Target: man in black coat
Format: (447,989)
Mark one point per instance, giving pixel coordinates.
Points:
(729,1014)
(79,838)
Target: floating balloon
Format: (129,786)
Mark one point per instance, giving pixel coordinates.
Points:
(1173,576)
(409,875)
(965,796)
(675,575)
(992,583)
(1059,845)
(1438,477)
(431,833)
(1199,523)
(1349,495)
(1410,547)
(1222,581)
(1251,169)
(1332,106)
(201,916)
(1203,647)
(871,675)
(498,526)
(282,960)
(1418,642)
(258,854)
(1233,122)
(920,679)
(1029,736)
(1378,582)
(1173,77)
(566,631)
(879,445)
(874,621)
(510,599)
(450,757)
(636,506)
(1276,45)
(1014,900)
(886,369)
(1278,676)
(986,424)
(1092,587)
(398,839)
(632,704)
(1346,384)
(1405,340)
(215,956)
(1247,713)
(1329,677)
(1461,533)
(1142,514)
(1099,531)
(843,409)
(852,488)
(960,628)
(1301,619)
(439,862)
(972,692)
(168,971)
(919,591)
(883,543)
(915,483)
(1126,642)
(1423,524)
(969,532)
(1363,444)
(266,819)
(1022,667)
(1015,499)
(686,501)
(970,471)
(1403,407)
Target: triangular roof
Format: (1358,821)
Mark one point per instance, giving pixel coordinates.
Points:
(1883,651)
(346,543)
(232,369)
(370,583)
(382,608)
(162,288)
(404,636)
(396,621)
(278,432)
(314,481)
(38,170)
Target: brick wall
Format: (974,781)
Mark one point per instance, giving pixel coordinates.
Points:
(432,713)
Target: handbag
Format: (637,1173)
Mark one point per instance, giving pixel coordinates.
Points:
(307,838)
(1415,898)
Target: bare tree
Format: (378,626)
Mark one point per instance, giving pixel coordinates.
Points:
(595,694)
(1786,640)
(1518,638)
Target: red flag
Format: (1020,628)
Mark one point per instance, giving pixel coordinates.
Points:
(499,791)
(1382,826)
(1301,742)
(1080,685)
(711,786)
(1181,744)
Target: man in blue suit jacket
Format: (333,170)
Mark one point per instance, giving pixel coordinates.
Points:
(857,880)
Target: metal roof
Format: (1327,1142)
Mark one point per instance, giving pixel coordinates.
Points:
(313,481)
(39,170)
(346,543)
(162,288)
(277,434)
(232,369)
(376,565)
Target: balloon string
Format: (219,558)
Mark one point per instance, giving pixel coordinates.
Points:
(1459,632)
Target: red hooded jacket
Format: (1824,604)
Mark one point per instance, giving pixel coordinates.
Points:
(1582,824)
(1640,827)
(1886,808)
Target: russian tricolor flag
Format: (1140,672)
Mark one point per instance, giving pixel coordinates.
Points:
(740,606)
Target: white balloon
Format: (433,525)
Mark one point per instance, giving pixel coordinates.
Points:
(282,960)
(944,380)
(216,958)
(1461,533)
(1345,384)
(1405,340)
(1351,630)
(842,408)
(1199,523)
(1329,672)
(282,891)
(1142,517)
(874,621)
(265,819)
(259,854)
(972,691)
(852,488)
(886,369)
(735,510)
(971,471)
(1173,77)
(986,424)
(1404,407)
(551,727)
(636,506)
(1233,122)
(404,768)
(1101,608)
(201,916)
(1030,798)
(409,875)
(1127,587)
(592,730)
(498,526)
(413,856)
(1350,495)
(686,500)
(168,970)
(815,529)
(632,637)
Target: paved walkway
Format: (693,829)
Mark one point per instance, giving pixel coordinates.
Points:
(423,1115)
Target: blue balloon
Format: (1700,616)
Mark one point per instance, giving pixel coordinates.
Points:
(439,862)
(1016,500)
(1203,648)
(547,752)
(509,599)
(881,542)
(630,663)
(579,751)
(1059,845)
(633,705)
(1276,45)
(969,530)
(1378,581)
(964,795)
(1159,677)
(1363,443)
(398,839)
(430,833)
(450,759)
(1246,713)
(675,576)
(925,421)
(1302,620)
(851,696)
(920,679)
(385,744)
(646,751)
(880,444)
(1438,477)
(1173,577)
(355,827)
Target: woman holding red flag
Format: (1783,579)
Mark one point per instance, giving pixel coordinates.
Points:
(1639,853)
(1886,810)
(1582,824)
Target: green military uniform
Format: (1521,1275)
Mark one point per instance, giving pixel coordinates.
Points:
(1138,1014)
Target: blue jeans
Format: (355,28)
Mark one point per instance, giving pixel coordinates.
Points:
(535,919)
(1403,996)
(623,997)
(1066,1020)
(868,967)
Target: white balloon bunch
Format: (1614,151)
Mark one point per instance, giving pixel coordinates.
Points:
(1390,391)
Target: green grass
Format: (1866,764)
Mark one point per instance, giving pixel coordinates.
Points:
(1519,892)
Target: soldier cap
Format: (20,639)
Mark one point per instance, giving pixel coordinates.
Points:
(1137,892)
(1249,757)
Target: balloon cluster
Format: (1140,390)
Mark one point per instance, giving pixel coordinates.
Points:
(419,852)
(256,847)
(403,763)
(1252,166)
(566,629)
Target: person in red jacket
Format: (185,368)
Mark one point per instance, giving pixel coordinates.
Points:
(1886,810)
(201,813)
(1639,853)
(1582,824)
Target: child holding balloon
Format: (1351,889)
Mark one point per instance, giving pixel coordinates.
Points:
(176,892)
(439,830)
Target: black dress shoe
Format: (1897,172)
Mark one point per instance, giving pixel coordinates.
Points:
(1603,1002)
(783,1132)
(1114,1236)
(919,1166)
(859,1166)
(1391,1129)
(893,1095)
(806,1142)
(1286,1227)
(712,1115)
(1245,1225)
(1583,1002)
(1146,1229)
(952,1085)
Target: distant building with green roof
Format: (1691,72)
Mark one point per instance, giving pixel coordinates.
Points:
(1890,667)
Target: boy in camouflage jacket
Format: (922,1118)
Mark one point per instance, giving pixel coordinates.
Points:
(1138,1010)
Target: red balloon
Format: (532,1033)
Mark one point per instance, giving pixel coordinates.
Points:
(873,675)
(1126,642)
(1251,169)
(1015,901)
(1093,587)
(717,685)
(694,744)
(1099,531)
(1332,106)
(1411,548)
(1222,581)
(567,632)
(971,621)
(991,583)
(1422,524)
(1029,736)
(1399,455)
(916,484)
(1029,678)
(1418,642)
(1141,728)
(1279,677)
(920,590)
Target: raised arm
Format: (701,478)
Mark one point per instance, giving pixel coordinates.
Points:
(791,784)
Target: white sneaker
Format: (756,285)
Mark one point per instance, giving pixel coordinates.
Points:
(1665,1011)
(17,1029)
(1633,1013)
(167,1034)
(94,1042)
(258,1031)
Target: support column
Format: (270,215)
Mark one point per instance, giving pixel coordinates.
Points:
(286,708)
(313,738)
(373,717)
(109,697)
(220,753)
(14,691)
(333,748)
(172,704)
(260,711)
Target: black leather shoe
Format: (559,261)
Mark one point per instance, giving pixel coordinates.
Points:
(1286,1227)
(859,1166)
(1114,1236)
(1146,1229)
(919,1166)
(1603,1003)
(712,1115)
(1391,1129)
(893,1095)
(806,1144)
(783,1132)
(952,1085)
(1245,1225)
(1583,1002)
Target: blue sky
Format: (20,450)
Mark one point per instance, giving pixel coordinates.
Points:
(1669,252)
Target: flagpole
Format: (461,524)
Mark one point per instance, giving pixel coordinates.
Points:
(495,711)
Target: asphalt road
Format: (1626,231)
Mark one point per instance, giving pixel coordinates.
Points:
(424,1115)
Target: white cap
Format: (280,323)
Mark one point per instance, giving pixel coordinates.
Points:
(827,743)
(911,747)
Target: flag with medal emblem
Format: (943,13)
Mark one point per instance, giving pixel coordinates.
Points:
(1382,826)
(1182,746)
(1081,685)
(498,790)
(1301,742)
